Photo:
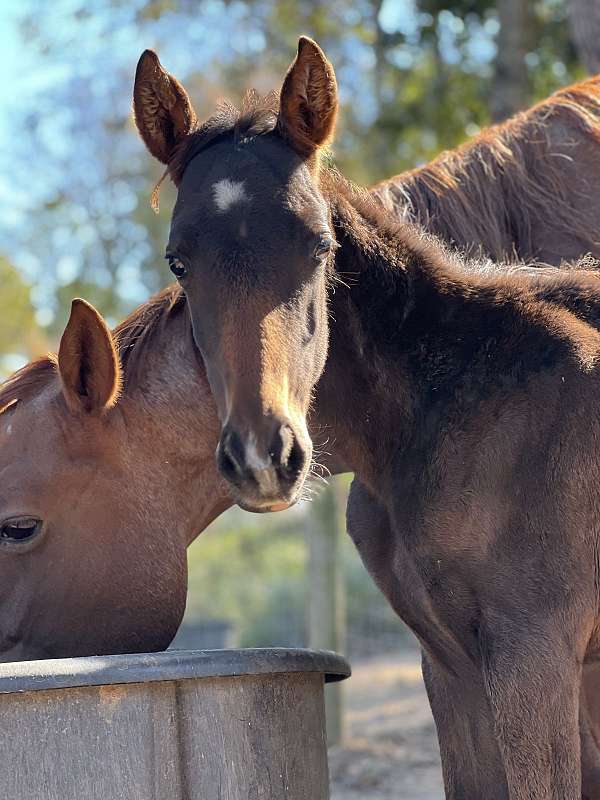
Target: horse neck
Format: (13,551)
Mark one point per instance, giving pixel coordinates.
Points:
(172,426)
(415,339)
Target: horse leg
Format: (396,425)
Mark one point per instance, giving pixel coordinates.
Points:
(370,528)
(533,685)
(471,761)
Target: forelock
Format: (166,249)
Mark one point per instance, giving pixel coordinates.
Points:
(256,116)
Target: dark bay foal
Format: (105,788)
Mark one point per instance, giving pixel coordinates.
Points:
(465,403)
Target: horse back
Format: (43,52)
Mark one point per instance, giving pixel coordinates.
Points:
(525,188)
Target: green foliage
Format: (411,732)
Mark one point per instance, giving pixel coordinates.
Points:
(250,570)
(20,336)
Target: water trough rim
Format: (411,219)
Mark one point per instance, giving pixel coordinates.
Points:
(172,665)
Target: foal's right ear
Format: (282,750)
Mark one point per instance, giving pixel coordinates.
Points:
(88,363)
(161,107)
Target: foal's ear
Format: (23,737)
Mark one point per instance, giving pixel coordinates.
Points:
(161,107)
(309,100)
(88,363)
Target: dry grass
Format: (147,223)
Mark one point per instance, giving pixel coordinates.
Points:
(390,748)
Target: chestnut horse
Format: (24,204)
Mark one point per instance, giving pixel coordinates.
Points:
(525,188)
(100,492)
(464,402)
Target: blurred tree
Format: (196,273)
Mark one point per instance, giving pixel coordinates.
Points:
(416,76)
(255,573)
(584,18)
(234,567)
(510,87)
(20,335)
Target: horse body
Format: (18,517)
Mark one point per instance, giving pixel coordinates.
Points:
(483,451)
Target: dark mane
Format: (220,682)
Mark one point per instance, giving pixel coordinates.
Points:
(133,336)
(528,184)
(567,299)
(257,116)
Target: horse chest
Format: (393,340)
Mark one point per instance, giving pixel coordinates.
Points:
(447,574)
(425,585)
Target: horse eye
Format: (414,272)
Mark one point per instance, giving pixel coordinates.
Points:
(177,267)
(323,247)
(18,530)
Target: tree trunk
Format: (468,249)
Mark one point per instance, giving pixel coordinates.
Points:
(584,19)
(511,84)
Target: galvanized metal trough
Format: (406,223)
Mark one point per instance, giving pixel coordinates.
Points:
(180,725)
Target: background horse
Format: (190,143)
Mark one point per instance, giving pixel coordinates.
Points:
(392,410)
(525,188)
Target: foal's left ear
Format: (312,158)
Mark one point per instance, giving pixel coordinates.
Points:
(88,363)
(309,99)
(162,109)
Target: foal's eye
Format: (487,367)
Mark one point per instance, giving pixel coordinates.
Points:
(19,530)
(324,247)
(177,267)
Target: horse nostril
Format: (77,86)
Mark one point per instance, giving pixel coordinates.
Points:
(226,465)
(230,456)
(297,459)
(253,469)
(291,456)
(281,446)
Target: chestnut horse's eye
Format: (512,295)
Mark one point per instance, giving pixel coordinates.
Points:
(19,530)
(177,267)
(324,247)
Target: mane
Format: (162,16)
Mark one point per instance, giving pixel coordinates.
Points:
(491,190)
(27,381)
(133,336)
(564,301)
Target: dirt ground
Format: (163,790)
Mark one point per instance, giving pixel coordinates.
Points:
(390,749)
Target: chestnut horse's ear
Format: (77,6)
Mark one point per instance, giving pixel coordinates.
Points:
(161,107)
(309,99)
(88,362)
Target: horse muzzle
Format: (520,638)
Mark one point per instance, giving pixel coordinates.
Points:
(265,469)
